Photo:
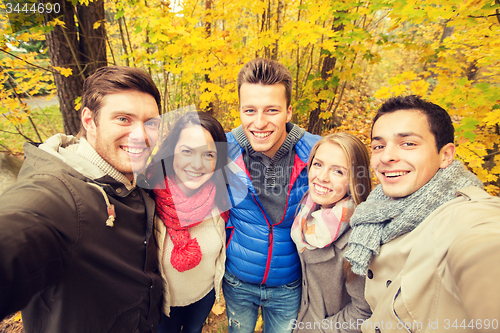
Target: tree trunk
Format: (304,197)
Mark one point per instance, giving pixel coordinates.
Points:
(82,49)
(63,47)
(124,43)
(315,122)
(92,41)
(279,14)
(208,33)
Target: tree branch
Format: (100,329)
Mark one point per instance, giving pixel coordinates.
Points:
(10,151)
(497,14)
(498,11)
(29,63)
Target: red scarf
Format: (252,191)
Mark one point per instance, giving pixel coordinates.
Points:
(179,213)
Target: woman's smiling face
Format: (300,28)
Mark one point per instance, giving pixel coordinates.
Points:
(328,175)
(195,157)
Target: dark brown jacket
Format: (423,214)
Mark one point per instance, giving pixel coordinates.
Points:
(63,266)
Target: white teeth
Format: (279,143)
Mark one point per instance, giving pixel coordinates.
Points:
(133,150)
(321,189)
(395,174)
(261,135)
(194,174)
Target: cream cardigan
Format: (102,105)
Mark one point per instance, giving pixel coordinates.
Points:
(214,220)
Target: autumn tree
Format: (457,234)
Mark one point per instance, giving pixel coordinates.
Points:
(339,52)
(78,43)
(455,47)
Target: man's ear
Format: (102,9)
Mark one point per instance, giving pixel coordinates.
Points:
(447,155)
(289,114)
(89,125)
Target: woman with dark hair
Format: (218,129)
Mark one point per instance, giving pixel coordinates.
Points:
(190,194)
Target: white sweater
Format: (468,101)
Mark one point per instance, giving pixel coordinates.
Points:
(184,288)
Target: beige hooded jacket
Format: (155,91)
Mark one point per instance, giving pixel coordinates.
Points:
(442,276)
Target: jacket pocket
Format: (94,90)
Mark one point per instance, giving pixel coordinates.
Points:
(318,256)
(293,285)
(232,280)
(399,311)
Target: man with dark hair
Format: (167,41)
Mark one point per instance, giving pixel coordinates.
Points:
(77,253)
(270,155)
(428,237)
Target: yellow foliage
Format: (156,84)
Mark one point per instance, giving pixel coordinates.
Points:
(407,76)
(24,37)
(64,71)
(492,118)
(260,322)
(419,87)
(384,92)
(398,90)
(18,317)
(97,24)
(217,309)
(236,115)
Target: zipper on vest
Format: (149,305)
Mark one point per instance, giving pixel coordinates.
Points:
(271,236)
(269,243)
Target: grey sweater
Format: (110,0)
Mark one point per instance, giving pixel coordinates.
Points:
(271,177)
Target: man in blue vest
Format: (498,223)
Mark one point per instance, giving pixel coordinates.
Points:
(270,155)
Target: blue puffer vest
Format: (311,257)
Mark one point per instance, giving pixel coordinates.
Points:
(258,251)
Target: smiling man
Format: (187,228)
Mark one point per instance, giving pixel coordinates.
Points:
(270,155)
(428,237)
(77,253)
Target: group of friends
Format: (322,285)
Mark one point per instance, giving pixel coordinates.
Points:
(98,236)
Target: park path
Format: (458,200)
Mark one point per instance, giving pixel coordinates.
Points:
(42,101)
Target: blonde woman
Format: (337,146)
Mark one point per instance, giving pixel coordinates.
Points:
(339,179)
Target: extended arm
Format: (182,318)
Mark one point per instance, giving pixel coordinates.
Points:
(473,260)
(38,227)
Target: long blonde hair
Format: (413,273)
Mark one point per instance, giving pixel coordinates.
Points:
(360,184)
(359,174)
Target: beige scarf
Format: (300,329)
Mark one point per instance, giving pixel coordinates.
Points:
(315,227)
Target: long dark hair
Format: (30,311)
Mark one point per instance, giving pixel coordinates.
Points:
(162,163)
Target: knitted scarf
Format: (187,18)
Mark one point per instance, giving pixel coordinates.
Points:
(179,213)
(314,227)
(381,219)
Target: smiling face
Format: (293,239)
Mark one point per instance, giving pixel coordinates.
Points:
(404,154)
(126,130)
(195,157)
(264,114)
(328,175)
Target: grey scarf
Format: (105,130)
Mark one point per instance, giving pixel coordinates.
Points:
(381,219)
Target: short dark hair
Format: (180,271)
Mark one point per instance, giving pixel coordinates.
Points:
(439,120)
(266,72)
(162,163)
(114,79)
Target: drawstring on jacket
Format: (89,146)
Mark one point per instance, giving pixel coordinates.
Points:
(111,208)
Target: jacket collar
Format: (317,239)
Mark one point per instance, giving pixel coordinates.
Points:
(81,156)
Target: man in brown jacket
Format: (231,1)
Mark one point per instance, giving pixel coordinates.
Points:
(428,237)
(77,252)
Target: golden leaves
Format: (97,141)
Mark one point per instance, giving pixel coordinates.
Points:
(218,309)
(63,71)
(18,317)
(403,84)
